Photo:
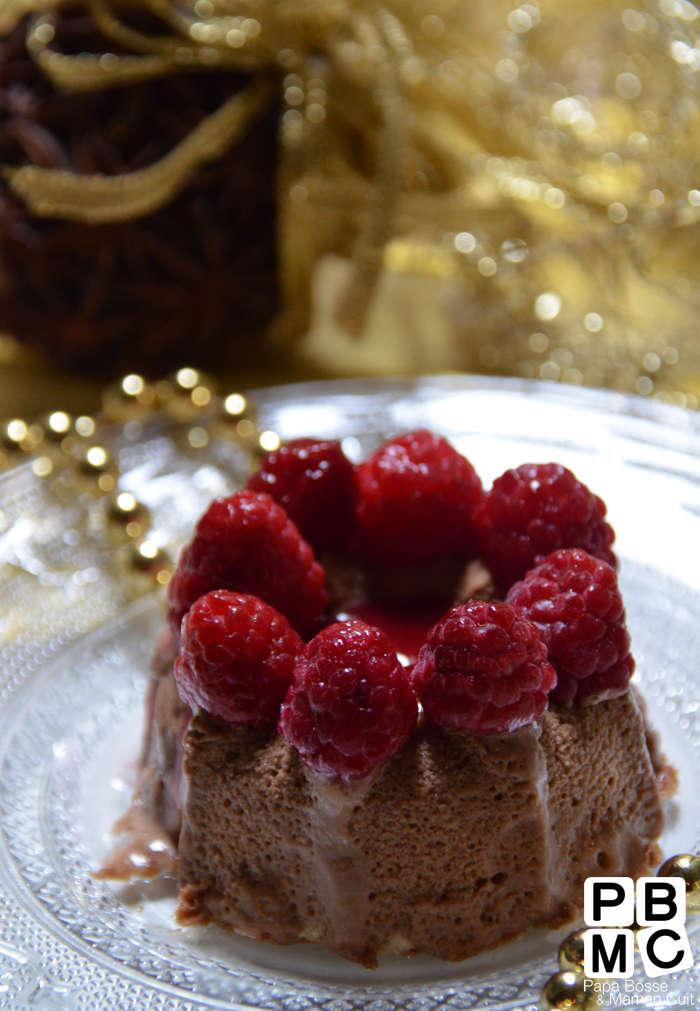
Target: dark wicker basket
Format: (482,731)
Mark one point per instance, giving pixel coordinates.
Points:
(196,280)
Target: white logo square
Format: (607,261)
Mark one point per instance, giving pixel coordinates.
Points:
(664,948)
(608,953)
(660,901)
(608,902)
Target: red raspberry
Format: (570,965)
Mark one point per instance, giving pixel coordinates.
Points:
(315,484)
(575,602)
(247,542)
(236,658)
(483,669)
(350,705)
(535,509)
(184,588)
(418,497)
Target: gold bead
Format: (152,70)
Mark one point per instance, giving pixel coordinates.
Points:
(571,952)
(147,565)
(196,437)
(85,426)
(687,867)
(131,398)
(13,434)
(234,420)
(185,394)
(125,517)
(94,470)
(563,990)
(13,437)
(266,442)
(17,438)
(56,426)
(44,466)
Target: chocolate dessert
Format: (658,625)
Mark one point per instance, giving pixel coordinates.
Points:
(351,755)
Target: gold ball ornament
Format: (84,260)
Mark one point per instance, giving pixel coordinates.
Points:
(234,420)
(563,990)
(17,439)
(267,441)
(131,398)
(94,470)
(44,466)
(186,394)
(687,867)
(571,952)
(84,426)
(195,437)
(147,566)
(56,426)
(126,519)
(56,435)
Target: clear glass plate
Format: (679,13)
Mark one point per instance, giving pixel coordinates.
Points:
(70,721)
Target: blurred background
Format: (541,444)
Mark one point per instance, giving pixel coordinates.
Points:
(276,190)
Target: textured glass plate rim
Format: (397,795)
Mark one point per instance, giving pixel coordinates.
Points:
(682,424)
(676,421)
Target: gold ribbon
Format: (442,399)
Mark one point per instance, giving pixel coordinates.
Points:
(97,199)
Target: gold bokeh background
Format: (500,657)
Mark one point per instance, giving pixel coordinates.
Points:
(525,200)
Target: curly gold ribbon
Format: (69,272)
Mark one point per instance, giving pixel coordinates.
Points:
(376,36)
(88,72)
(98,199)
(12,11)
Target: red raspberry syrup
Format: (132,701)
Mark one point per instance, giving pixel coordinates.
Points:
(406,624)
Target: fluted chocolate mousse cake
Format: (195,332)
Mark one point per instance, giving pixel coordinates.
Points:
(421,738)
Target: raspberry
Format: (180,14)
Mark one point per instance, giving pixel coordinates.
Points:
(184,588)
(575,602)
(350,705)
(236,658)
(535,509)
(248,543)
(315,484)
(418,497)
(483,669)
